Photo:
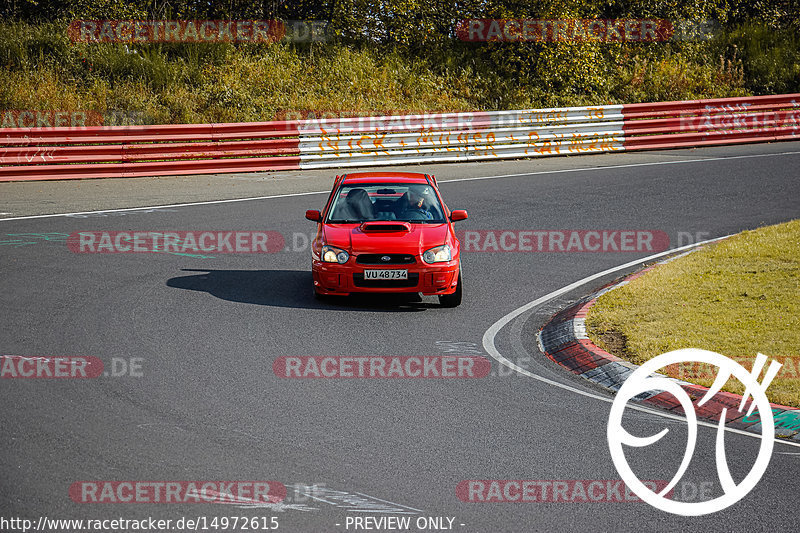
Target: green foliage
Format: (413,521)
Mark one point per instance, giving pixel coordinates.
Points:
(386,55)
(770,57)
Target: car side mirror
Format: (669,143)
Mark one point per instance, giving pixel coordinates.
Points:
(313,215)
(458,214)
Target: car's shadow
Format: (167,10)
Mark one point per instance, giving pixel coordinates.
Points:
(287,288)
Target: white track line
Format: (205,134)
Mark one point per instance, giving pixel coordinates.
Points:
(561,171)
(491,333)
(627,165)
(488,337)
(208,202)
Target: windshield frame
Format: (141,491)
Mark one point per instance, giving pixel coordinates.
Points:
(337,196)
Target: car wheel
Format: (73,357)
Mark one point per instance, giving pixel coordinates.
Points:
(452,300)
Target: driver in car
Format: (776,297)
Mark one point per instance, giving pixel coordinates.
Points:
(413,205)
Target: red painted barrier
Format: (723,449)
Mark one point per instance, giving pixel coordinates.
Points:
(659,125)
(23,155)
(150,168)
(28,154)
(685,107)
(157,133)
(716,137)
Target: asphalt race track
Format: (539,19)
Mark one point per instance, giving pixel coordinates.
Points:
(206,405)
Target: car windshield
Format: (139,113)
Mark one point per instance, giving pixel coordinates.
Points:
(409,202)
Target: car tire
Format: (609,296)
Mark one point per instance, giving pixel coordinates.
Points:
(452,300)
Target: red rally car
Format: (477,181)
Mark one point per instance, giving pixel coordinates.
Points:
(386,232)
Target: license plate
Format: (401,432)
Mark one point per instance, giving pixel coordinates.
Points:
(386,274)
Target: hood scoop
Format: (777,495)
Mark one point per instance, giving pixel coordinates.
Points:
(387,226)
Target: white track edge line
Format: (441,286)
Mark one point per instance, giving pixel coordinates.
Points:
(287,195)
(494,329)
(165,206)
(626,165)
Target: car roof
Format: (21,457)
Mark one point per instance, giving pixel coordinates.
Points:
(385,177)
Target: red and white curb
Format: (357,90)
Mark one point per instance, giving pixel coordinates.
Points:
(563,339)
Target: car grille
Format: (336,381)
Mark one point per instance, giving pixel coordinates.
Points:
(412,281)
(394,259)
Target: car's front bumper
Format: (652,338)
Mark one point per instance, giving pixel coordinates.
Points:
(336,279)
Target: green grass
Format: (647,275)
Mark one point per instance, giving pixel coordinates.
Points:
(199,83)
(738,298)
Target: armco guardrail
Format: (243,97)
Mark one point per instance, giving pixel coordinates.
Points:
(710,122)
(127,151)
(459,136)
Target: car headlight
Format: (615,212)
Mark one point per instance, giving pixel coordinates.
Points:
(440,254)
(331,254)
